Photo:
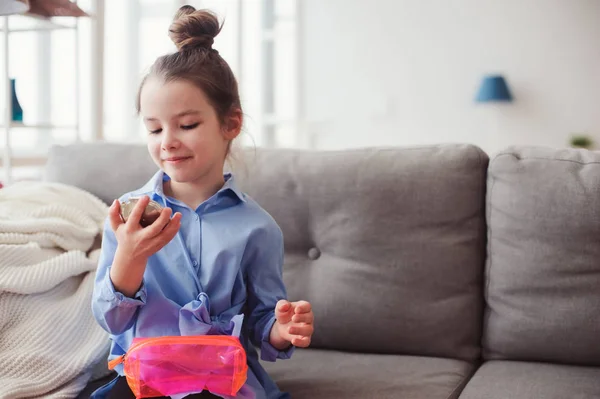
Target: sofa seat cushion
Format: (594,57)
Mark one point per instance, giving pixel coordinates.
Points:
(499,379)
(324,374)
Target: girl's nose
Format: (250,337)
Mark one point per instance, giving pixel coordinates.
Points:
(169,140)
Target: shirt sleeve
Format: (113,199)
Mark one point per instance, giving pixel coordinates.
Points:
(114,311)
(265,288)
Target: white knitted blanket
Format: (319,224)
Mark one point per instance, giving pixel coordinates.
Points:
(49,339)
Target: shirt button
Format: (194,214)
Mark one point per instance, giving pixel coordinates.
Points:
(196,216)
(195,263)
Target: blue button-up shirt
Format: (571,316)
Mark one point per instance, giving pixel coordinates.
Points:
(225,260)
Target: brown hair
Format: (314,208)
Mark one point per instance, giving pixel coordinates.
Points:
(193,32)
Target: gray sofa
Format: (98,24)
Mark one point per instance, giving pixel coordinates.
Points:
(433,272)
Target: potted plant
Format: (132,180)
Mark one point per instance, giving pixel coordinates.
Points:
(581,141)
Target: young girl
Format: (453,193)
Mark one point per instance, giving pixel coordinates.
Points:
(213,253)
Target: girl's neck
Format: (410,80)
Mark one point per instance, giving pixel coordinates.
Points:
(194,193)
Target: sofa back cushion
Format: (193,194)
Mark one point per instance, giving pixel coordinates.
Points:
(107,170)
(387,244)
(543,271)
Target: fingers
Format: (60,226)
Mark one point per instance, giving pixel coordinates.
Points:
(301,307)
(166,235)
(155,228)
(300,313)
(301,342)
(283,311)
(114,215)
(137,212)
(283,306)
(304,330)
(172,228)
(307,318)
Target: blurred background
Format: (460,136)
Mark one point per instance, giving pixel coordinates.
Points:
(315,74)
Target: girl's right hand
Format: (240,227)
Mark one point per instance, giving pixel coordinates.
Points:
(137,242)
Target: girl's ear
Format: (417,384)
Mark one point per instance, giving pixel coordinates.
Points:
(233,124)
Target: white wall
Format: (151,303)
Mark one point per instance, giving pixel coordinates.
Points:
(405,72)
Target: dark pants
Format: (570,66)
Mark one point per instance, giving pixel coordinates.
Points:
(120,390)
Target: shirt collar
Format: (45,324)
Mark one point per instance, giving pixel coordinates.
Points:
(232,186)
(155,186)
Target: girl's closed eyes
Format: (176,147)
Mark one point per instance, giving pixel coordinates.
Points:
(190,127)
(183,127)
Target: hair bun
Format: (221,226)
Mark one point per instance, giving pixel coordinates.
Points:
(194,29)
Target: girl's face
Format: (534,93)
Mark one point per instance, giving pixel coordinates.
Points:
(185,137)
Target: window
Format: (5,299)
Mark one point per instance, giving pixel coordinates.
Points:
(55,79)
(42,59)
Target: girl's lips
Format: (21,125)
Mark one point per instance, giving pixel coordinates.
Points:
(176,160)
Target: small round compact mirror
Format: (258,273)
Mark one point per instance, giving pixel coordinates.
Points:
(151,213)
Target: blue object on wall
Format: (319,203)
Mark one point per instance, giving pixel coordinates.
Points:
(493,88)
(17,111)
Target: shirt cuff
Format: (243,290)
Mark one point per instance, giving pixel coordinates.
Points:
(267,351)
(110,294)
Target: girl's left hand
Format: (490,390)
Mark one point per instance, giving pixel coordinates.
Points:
(295,322)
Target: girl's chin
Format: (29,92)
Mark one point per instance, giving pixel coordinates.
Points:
(180,176)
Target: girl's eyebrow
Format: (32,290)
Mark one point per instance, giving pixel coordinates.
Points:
(179,115)
(188,112)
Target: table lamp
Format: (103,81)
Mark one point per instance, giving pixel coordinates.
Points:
(493,88)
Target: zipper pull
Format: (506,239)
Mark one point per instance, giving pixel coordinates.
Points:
(113,363)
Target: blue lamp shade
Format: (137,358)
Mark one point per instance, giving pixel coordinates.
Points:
(493,88)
